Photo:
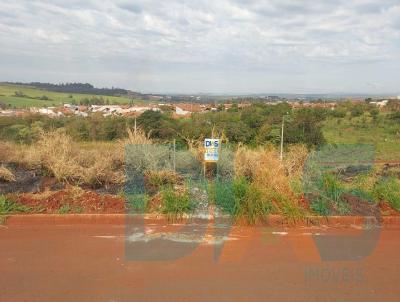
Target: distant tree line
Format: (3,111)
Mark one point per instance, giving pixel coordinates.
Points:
(253,125)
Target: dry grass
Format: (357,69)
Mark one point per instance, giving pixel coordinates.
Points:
(295,159)
(6,151)
(6,175)
(137,137)
(60,156)
(263,168)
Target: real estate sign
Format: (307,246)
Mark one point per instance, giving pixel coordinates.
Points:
(211,146)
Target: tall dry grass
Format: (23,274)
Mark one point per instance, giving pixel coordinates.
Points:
(273,177)
(137,137)
(60,156)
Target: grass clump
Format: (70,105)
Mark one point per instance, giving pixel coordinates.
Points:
(250,204)
(388,190)
(320,206)
(175,203)
(137,203)
(58,155)
(11,207)
(155,180)
(64,209)
(6,175)
(273,185)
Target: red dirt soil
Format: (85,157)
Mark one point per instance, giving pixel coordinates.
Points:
(75,202)
(387,210)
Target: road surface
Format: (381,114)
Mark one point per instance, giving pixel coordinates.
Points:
(200,263)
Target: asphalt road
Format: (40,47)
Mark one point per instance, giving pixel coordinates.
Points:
(197,263)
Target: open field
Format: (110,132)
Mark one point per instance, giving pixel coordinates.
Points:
(363,130)
(33,95)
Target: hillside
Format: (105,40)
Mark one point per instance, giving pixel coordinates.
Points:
(24,96)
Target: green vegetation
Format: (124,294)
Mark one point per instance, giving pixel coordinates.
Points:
(254,125)
(251,183)
(175,203)
(370,127)
(250,204)
(388,190)
(17,96)
(11,207)
(65,209)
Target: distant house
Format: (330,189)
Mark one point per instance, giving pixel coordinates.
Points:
(47,111)
(380,104)
(180,111)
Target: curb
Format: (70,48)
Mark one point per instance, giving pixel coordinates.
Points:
(122,219)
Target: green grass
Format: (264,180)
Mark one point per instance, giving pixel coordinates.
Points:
(175,204)
(249,202)
(64,209)
(11,207)
(383,134)
(137,203)
(388,190)
(320,206)
(7,96)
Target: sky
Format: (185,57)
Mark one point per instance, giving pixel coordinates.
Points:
(207,46)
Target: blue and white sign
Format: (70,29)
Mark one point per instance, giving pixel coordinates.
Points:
(211,153)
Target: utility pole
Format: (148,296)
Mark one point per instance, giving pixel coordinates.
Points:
(174,155)
(283,125)
(135,127)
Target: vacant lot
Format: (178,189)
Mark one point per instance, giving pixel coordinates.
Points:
(384,135)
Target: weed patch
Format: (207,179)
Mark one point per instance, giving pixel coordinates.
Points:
(388,190)
(11,207)
(175,204)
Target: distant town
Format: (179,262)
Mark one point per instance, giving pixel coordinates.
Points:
(178,105)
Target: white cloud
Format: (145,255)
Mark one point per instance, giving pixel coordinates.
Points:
(275,45)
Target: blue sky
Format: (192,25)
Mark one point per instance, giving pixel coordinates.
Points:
(215,46)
